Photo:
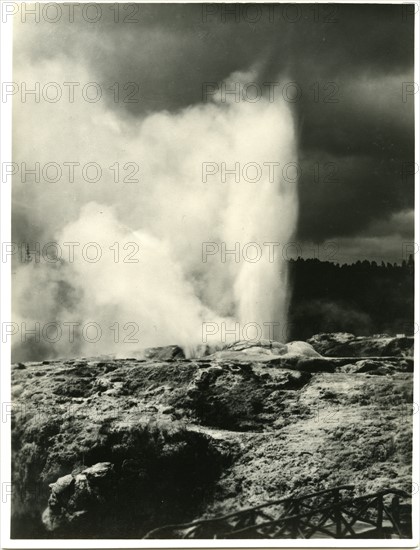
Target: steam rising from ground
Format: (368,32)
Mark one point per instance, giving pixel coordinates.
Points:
(169,292)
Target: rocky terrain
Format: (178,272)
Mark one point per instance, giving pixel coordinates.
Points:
(106,447)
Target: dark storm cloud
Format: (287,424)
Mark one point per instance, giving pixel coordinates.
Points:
(354,57)
(174,48)
(350,193)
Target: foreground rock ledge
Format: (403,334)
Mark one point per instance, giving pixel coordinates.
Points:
(112,448)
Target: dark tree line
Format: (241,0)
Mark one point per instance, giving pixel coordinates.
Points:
(364,298)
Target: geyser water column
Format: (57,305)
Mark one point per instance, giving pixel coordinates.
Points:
(261,216)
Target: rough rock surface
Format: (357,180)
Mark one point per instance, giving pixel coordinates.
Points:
(115,447)
(344,344)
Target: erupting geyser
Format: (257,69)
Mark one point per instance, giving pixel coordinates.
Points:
(211,178)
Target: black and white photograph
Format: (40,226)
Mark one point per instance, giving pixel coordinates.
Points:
(209,256)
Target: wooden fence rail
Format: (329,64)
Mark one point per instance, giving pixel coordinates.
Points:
(331,513)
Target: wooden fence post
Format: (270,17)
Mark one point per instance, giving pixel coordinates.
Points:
(337,513)
(395,509)
(295,522)
(380,510)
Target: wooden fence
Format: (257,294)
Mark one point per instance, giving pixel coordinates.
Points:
(332,513)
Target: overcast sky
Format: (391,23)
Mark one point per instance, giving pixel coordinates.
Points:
(349,62)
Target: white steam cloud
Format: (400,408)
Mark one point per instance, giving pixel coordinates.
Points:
(169,292)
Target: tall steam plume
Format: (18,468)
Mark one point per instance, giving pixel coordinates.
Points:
(170,291)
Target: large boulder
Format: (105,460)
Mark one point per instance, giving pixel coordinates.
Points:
(302,349)
(75,498)
(249,351)
(271,346)
(164,353)
(268,352)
